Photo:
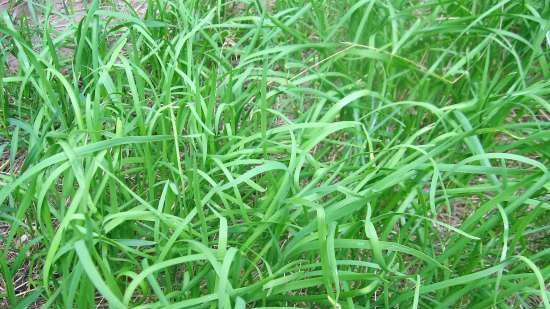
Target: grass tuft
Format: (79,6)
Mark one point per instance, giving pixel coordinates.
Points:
(275,154)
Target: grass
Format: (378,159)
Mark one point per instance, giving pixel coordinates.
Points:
(276,154)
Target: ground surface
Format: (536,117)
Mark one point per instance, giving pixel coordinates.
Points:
(274,154)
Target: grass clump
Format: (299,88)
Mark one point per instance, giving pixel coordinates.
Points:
(255,154)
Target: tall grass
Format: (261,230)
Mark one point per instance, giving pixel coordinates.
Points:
(255,154)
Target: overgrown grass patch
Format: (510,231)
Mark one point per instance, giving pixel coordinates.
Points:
(275,154)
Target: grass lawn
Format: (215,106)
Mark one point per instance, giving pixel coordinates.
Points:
(275,154)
